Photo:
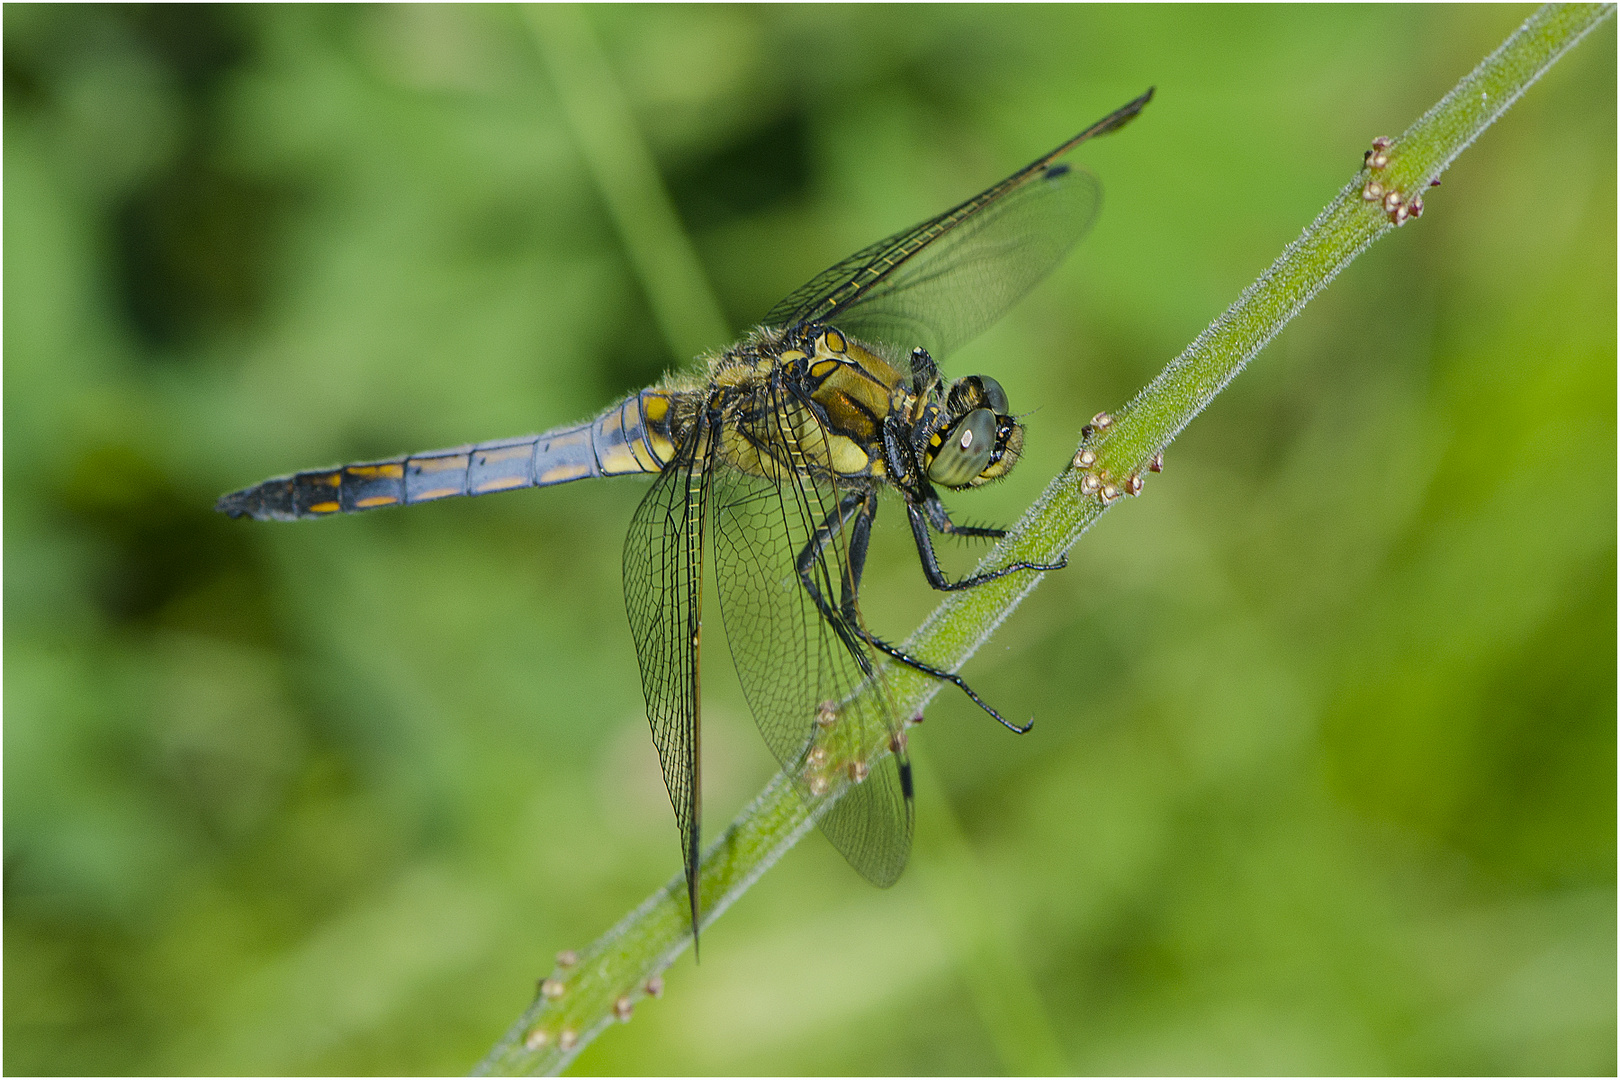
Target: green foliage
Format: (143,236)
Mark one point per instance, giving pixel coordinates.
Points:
(1323,773)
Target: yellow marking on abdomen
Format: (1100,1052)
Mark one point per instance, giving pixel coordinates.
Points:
(561,474)
(324,508)
(507,453)
(440,464)
(438,493)
(643,456)
(661,445)
(617,459)
(390,471)
(375,500)
(500,483)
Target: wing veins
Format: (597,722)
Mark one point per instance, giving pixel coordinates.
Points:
(840,286)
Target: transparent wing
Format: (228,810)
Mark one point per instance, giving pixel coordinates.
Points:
(952,291)
(943,282)
(663,594)
(823,710)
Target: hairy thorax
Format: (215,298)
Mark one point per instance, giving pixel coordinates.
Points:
(806,403)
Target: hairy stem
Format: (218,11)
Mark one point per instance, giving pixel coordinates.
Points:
(605,982)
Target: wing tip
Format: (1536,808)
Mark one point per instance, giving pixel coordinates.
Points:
(693,900)
(1106,126)
(1122,115)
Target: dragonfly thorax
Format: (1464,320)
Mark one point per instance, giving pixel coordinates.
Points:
(809,401)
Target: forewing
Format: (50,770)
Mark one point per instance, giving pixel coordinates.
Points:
(822,708)
(663,593)
(943,282)
(953,290)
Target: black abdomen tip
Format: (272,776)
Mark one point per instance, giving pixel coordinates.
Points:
(269,501)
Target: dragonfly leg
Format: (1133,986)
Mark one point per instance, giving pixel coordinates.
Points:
(924,372)
(852,506)
(849,615)
(940,519)
(930,562)
(899,457)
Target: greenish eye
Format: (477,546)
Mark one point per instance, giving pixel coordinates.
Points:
(994,395)
(965,450)
(974,392)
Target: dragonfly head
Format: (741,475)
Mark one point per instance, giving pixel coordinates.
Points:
(978,441)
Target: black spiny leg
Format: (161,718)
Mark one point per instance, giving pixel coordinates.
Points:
(847,619)
(835,520)
(924,372)
(930,562)
(940,519)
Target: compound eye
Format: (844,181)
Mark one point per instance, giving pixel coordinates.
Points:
(965,450)
(975,391)
(994,396)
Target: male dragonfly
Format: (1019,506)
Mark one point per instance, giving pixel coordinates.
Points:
(781,445)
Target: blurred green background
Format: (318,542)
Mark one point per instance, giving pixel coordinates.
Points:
(1323,778)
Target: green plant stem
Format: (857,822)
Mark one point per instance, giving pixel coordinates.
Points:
(615,969)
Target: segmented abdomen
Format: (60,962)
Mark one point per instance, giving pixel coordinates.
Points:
(631,437)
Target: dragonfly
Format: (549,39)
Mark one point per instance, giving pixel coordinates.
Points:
(773,456)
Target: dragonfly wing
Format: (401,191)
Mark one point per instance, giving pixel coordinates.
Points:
(943,282)
(663,594)
(822,707)
(964,281)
